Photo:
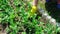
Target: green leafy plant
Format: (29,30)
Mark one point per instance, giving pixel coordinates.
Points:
(17,19)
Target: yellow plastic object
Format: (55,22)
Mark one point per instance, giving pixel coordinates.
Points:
(33,10)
